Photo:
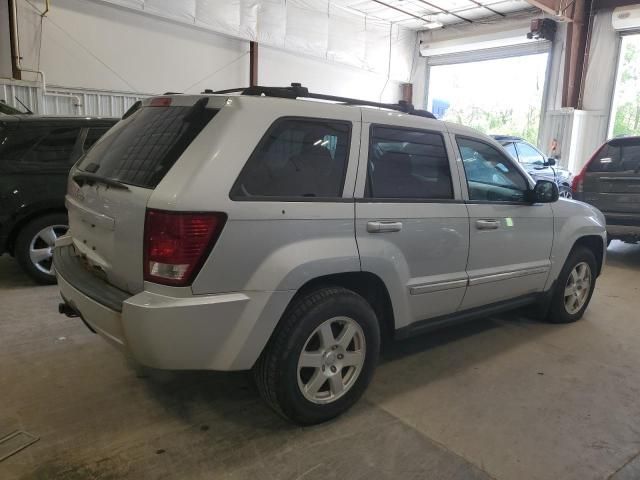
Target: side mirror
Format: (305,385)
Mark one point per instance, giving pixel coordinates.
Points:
(550,162)
(545,191)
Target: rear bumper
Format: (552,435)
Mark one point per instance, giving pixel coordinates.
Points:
(204,332)
(620,225)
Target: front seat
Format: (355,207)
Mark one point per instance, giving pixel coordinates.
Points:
(392,177)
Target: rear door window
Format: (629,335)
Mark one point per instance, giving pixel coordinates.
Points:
(297,158)
(42,149)
(406,163)
(141,149)
(617,157)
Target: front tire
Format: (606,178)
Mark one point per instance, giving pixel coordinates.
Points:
(574,287)
(321,357)
(34,246)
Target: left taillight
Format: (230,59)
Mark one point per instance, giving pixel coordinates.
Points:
(176,244)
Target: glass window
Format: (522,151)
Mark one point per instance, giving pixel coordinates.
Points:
(93,135)
(15,142)
(528,154)
(45,149)
(511,150)
(297,158)
(408,164)
(617,156)
(490,175)
(142,148)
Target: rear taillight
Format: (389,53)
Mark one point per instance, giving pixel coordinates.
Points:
(176,244)
(576,183)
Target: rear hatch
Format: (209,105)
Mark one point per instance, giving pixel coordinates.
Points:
(611,181)
(109,188)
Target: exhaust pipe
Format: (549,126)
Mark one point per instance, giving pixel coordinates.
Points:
(68,310)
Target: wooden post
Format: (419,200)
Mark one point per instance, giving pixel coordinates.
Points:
(406,92)
(15,61)
(253,64)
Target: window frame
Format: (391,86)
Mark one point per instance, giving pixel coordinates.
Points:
(511,161)
(265,138)
(366,198)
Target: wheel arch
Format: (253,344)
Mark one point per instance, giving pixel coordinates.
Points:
(595,244)
(366,284)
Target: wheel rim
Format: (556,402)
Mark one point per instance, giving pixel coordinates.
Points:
(577,289)
(331,360)
(566,193)
(41,247)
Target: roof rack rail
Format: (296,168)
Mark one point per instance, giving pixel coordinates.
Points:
(296,90)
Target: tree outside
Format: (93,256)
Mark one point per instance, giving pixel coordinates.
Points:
(502,96)
(626,120)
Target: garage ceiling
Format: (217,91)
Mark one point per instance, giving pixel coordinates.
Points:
(421,14)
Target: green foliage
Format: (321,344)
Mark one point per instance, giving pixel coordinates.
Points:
(627,116)
(504,122)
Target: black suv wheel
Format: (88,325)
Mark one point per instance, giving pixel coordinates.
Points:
(34,246)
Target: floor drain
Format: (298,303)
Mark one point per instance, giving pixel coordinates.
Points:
(14,442)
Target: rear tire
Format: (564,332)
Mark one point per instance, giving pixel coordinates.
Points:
(321,357)
(574,287)
(565,192)
(34,246)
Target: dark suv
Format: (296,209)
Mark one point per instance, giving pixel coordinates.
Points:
(610,181)
(536,163)
(36,153)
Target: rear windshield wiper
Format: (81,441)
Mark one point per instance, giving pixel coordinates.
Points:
(91,178)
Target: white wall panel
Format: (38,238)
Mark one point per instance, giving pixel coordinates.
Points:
(281,68)
(347,39)
(65,101)
(307,29)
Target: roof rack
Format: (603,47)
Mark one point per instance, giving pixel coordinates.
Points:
(296,90)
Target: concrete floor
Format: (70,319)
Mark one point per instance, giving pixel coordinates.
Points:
(501,398)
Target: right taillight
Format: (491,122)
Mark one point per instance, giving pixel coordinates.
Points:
(576,184)
(176,244)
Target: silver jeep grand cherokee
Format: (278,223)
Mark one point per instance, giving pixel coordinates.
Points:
(287,236)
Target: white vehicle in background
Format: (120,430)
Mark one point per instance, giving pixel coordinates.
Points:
(262,231)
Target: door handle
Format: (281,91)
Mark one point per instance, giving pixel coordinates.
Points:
(487,224)
(380,226)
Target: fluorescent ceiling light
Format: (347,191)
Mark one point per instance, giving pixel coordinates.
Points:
(433,25)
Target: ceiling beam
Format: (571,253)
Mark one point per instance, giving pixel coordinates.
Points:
(563,9)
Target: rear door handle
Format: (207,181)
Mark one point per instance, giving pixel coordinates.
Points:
(381,226)
(487,224)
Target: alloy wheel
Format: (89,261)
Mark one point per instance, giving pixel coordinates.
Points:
(331,360)
(577,289)
(566,193)
(41,247)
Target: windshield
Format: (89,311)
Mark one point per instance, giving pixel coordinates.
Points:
(140,149)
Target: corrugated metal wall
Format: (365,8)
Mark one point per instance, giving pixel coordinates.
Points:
(67,101)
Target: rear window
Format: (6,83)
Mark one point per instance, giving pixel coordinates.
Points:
(142,148)
(617,157)
(297,158)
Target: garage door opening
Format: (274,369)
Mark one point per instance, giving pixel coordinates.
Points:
(497,96)
(625,114)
